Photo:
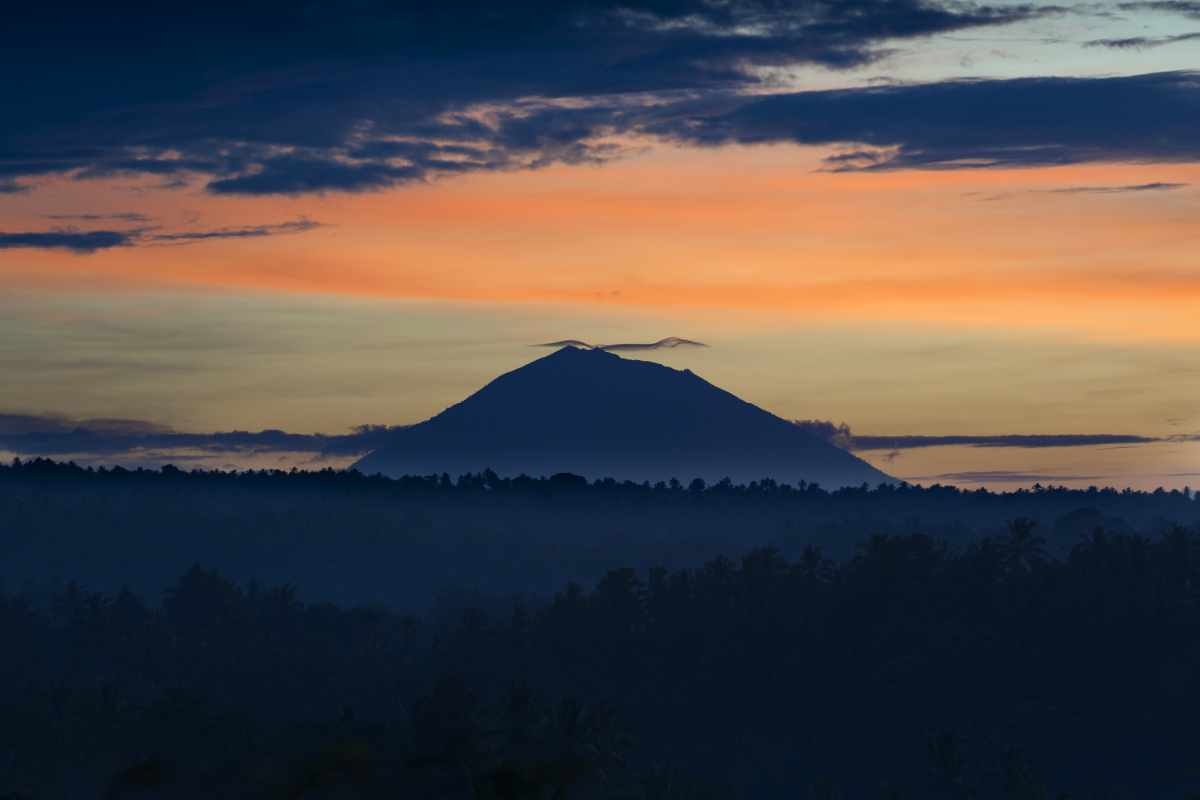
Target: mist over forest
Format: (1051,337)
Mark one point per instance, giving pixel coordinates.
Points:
(309,634)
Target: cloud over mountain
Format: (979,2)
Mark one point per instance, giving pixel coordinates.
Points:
(671,342)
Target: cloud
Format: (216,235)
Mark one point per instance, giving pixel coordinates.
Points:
(299,226)
(670,342)
(75,241)
(36,435)
(1005,440)
(86,242)
(1005,476)
(1144,187)
(127,216)
(843,437)
(1141,42)
(968,124)
(1188,8)
(92,440)
(839,435)
(363,96)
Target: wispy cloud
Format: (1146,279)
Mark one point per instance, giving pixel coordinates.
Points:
(1142,187)
(301,225)
(1141,42)
(127,216)
(36,435)
(843,437)
(1188,8)
(669,343)
(1002,476)
(86,242)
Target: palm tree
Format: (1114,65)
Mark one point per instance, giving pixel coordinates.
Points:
(1015,776)
(1181,552)
(70,604)
(891,790)
(763,569)
(825,789)
(812,567)
(985,556)
(720,571)
(949,767)
(584,731)
(665,781)
(654,592)
(1092,551)
(1020,547)
(518,721)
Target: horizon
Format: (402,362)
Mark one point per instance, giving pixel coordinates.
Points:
(138,443)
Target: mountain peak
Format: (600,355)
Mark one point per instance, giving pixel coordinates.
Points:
(591,412)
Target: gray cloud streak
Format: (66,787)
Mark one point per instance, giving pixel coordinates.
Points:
(1188,8)
(1141,42)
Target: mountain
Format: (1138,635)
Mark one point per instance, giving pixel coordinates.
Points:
(595,414)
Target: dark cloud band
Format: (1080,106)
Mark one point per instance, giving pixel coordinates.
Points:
(961,124)
(366,96)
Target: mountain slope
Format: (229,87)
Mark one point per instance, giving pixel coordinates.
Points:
(598,415)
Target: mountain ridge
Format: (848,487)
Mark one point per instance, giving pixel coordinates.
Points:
(593,413)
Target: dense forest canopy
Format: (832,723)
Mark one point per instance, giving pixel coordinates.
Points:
(352,539)
(947,644)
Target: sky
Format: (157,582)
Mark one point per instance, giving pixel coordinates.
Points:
(964,235)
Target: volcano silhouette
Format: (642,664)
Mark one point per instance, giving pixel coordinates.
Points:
(595,414)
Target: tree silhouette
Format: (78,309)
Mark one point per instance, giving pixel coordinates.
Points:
(1015,776)
(825,789)
(950,768)
(70,604)
(518,721)
(813,567)
(579,730)
(1020,549)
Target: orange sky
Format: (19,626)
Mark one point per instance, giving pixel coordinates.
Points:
(750,229)
(932,302)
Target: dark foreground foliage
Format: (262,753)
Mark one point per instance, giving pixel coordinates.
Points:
(904,671)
